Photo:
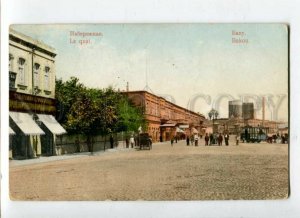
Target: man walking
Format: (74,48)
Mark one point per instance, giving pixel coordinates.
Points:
(211,138)
(111,140)
(226,139)
(196,140)
(206,139)
(187,140)
(237,139)
(220,139)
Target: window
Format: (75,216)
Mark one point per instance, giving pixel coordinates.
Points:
(21,71)
(36,73)
(11,59)
(47,79)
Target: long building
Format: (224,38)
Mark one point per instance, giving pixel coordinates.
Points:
(165,119)
(32,106)
(235,125)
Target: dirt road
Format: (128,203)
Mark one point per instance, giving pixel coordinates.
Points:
(247,171)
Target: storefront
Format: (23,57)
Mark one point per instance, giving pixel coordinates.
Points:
(26,142)
(52,128)
(35,133)
(32,104)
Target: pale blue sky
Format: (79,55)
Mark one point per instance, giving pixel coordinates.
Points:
(181,60)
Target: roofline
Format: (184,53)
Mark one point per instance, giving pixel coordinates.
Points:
(143,91)
(31,43)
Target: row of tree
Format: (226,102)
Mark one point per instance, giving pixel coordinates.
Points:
(91,112)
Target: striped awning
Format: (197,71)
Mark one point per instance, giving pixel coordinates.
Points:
(26,123)
(51,124)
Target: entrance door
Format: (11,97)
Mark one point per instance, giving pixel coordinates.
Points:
(47,144)
(167,136)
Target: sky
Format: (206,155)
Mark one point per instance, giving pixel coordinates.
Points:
(197,66)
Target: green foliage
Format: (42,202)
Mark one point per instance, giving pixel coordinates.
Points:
(89,111)
(130,118)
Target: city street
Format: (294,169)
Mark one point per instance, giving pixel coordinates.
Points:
(247,171)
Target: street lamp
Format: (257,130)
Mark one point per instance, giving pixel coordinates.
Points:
(213,114)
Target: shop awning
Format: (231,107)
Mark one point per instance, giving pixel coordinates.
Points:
(184,126)
(51,124)
(25,122)
(168,125)
(11,132)
(179,130)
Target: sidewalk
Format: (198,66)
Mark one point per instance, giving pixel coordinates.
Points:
(44,159)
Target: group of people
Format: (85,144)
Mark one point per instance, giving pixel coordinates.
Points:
(193,139)
(215,138)
(210,139)
(283,138)
(218,138)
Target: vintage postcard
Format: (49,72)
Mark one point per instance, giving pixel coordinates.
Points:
(148,112)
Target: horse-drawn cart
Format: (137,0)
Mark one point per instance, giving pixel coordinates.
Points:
(144,141)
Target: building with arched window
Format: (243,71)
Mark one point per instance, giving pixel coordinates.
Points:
(31,97)
(165,119)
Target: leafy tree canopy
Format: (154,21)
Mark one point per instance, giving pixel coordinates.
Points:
(91,111)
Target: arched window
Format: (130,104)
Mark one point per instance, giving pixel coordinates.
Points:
(21,71)
(36,78)
(47,79)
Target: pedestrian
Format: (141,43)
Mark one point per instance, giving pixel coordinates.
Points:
(131,141)
(282,139)
(127,142)
(220,139)
(237,139)
(226,139)
(196,140)
(176,139)
(206,139)
(215,138)
(187,140)
(192,140)
(211,138)
(172,141)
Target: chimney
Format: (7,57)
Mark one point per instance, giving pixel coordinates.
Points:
(127,87)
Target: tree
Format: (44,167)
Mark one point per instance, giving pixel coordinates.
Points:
(84,116)
(91,112)
(66,94)
(130,118)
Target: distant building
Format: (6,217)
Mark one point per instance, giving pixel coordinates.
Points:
(248,111)
(235,109)
(164,118)
(235,125)
(33,127)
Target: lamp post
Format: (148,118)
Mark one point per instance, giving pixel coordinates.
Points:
(213,114)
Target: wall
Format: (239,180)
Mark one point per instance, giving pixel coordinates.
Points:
(20,51)
(66,144)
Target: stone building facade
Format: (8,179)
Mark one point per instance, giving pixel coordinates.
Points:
(235,125)
(32,97)
(164,118)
